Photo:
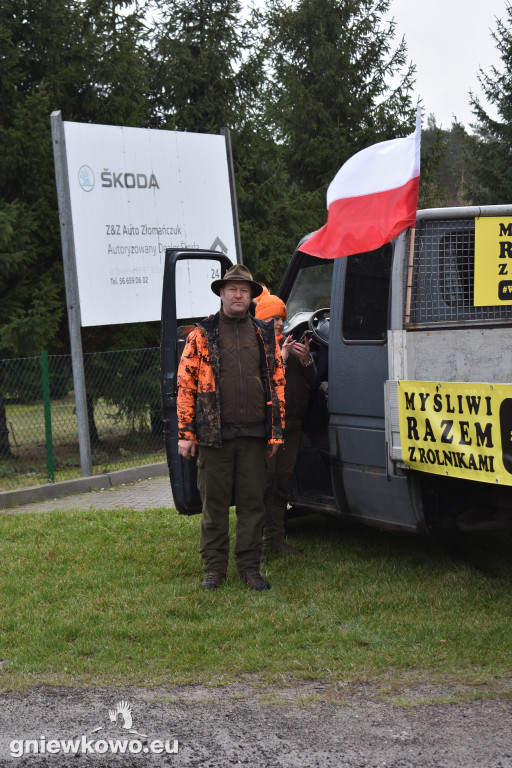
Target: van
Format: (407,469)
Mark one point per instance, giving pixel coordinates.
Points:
(410,419)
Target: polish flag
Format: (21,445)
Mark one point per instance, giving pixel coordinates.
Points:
(372,198)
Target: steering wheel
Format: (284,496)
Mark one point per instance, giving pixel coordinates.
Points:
(318,324)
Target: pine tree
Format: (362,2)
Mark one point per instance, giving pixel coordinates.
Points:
(203,73)
(330,93)
(88,60)
(208,72)
(489,151)
(326,96)
(434,143)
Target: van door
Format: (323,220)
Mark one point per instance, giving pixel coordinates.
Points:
(186,297)
(306,290)
(358,369)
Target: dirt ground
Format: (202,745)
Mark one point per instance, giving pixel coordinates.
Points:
(300,725)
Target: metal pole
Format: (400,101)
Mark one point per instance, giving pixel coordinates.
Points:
(45,371)
(71,282)
(234,206)
(410,276)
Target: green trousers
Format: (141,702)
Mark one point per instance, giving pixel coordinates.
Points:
(238,468)
(279,480)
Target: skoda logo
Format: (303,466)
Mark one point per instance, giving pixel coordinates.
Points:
(86,178)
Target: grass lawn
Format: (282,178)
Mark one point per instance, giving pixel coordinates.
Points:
(26,421)
(113,597)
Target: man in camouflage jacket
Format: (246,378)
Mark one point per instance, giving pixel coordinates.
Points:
(231,408)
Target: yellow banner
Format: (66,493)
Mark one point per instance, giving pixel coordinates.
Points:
(493,261)
(457,429)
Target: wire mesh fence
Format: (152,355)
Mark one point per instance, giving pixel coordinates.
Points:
(38,425)
(443,279)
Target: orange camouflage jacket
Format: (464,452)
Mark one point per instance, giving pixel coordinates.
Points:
(198,405)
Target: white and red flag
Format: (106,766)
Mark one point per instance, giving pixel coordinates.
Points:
(372,198)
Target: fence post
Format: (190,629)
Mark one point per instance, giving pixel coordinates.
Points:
(5,446)
(47,416)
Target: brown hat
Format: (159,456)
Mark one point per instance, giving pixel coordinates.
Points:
(237,272)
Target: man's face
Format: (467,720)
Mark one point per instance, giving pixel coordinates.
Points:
(236,298)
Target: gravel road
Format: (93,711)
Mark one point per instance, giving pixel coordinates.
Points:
(304,725)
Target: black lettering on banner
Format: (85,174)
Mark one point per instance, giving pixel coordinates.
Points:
(429,432)
(473,402)
(409,401)
(448,458)
(505,290)
(484,435)
(506,249)
(464,433)
(486,463)
(503,269)
(447,425)
(506,433)
(433,456)
(505,230)
(412,428)
(472,462)
(449,409)
(424,396)
(460,458)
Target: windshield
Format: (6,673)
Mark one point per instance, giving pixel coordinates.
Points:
(312,287)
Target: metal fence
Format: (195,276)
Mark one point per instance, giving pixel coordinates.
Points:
(443,278)
(38,426)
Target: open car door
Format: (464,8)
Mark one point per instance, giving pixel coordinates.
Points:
(186,297)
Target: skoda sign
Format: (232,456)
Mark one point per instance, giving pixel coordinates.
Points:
(135,192)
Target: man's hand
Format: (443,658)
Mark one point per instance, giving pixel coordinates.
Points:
(186,448)
(272,449)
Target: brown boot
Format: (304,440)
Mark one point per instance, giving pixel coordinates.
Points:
(213,580)
(254,580)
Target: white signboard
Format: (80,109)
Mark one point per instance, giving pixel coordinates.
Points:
(135,192)
(195,297)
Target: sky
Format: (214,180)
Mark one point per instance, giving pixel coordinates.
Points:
(449,41)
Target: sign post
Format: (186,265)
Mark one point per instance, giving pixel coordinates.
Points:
(71,282)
